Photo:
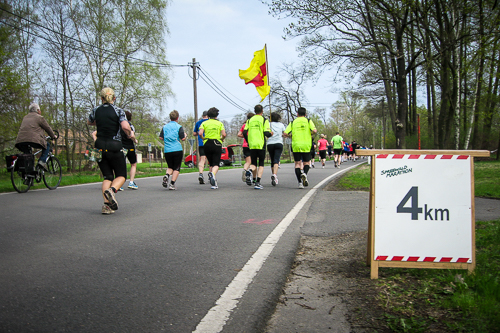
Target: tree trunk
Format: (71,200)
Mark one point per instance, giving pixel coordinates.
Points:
(492,101)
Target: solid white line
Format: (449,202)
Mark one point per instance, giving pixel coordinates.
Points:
(219,314)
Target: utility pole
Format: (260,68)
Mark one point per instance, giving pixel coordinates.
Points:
(194,66)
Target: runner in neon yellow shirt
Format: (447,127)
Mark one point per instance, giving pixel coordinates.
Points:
(301,130)
(337,149)
(256,130)
(213,133)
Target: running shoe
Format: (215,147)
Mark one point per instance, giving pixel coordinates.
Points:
(120,189)
(335,163)
(323,167)
(212,180)
(201,179)
(258,186)
(304,179)
(248,178)
(274,180)
(171,187)
(165,180)
(312,165)
(106,210)
(110,196)
(301,185)
(133,186)
(244,175)
(214,184)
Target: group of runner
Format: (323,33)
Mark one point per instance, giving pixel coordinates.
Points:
(259,134)
(115,131)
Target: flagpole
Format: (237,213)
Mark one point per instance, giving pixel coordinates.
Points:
(268,81)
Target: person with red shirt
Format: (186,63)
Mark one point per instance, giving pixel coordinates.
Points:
(322,148)
(246,150)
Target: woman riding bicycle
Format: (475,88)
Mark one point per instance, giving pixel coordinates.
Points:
(31,134)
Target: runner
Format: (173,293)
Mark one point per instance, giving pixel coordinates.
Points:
(354,146)
(246,150)
(256,130)
(129,145)
(275,145)
(322,148)
(313,151)
(201,150)
(345,151)
(301,131)
(108,119)
(330,151)
(172,134)
(337,149)
(213,134)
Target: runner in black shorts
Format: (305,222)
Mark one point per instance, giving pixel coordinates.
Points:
(172,134)
(214,133)
(313,152)
(129,144)
(108,119)
(246,150)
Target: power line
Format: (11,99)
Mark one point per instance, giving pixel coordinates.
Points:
(225,88)
(211,84)
(81,42)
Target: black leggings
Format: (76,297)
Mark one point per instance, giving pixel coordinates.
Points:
(275,150)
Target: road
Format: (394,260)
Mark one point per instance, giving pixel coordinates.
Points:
(159,264)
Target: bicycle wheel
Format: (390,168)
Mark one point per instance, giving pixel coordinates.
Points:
(20,180)
(52,177)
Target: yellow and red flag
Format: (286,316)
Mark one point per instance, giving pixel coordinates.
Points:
(257,73)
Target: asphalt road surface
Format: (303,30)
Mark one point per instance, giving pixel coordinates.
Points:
(193,259)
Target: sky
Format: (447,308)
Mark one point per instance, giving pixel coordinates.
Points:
(223,35)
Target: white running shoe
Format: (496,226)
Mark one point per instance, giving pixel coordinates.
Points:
(258,186)
(274,180)
(305,182)
(301,185)
(165,180)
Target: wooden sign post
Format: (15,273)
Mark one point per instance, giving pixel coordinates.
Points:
(421,209)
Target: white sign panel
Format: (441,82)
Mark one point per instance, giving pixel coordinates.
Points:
(423,208)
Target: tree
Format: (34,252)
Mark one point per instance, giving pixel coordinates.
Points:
(287,93)
(12,86)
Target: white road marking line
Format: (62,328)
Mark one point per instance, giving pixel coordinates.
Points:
(219,314)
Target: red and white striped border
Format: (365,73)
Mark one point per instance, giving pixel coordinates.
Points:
(422,259)
(422,157)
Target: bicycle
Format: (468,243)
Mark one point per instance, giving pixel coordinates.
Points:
(24,172)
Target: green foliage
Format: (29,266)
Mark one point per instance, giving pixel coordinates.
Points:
(357,179)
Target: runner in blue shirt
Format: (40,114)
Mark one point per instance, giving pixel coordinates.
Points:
(201,149)
(172,134)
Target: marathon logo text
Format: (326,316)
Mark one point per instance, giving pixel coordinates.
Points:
(396,171)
